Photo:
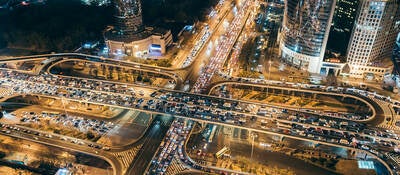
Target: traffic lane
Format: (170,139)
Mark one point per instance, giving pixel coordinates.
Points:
(202,57)
(151,142)
(283,134)
(244,114)
(114,163)
(120,104)
(281,160)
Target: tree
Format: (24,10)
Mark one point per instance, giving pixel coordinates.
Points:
(139,78)
(2,154)
(90,135)
(146,79)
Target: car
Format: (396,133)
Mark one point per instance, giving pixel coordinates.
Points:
(364,147)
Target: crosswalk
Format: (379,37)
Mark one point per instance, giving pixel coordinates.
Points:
(4,92)
(175,167)
(395,157)
(389,127)
(126,157)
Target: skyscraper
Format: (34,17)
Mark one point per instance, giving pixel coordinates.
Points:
(396,56)
(342,26)
(128,19)
(129,35)
(305,31)
(373,38)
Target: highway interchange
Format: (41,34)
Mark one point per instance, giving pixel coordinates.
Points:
(208,109)
(318,127)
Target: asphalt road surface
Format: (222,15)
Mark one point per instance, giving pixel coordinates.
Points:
(151,140)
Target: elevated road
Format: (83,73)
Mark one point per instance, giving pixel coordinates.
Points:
(370,103)
(250,128)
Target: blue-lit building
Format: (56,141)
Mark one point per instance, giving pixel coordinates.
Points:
(305,31)
(396,56)
(130,37)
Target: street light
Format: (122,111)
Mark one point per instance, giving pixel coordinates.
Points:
(269,75)
(63,103)
(253,136)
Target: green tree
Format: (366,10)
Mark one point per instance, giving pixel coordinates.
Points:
(90,135)
(139,78)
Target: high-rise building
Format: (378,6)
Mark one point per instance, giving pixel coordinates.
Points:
(128,19)
(130,37)
(96,2)
(342,26)
(373,38)
(305,31)
(396,56)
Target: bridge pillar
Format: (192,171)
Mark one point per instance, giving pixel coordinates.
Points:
(202,124)
(281,138)
(278,138)
(314,144)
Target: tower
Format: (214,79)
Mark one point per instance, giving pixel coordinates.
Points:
(128,19)
(306,25)
(373,37)
(130,37)
(342,25)
(396,56)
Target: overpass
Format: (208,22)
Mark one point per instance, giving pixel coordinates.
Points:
(120,97)
(201,119)
(210,98)
(171,75)
(370,104)
(254,129)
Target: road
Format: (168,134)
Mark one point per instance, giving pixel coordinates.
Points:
(150,141)
(205,53)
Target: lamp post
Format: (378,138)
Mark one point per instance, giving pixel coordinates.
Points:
(269,75)
(253,136)
(63,103)
(136,50)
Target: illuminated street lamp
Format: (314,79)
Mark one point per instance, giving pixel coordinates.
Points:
(136,50)
(253,136)
(269,75)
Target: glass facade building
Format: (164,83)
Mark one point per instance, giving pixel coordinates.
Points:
(130,37)
(128,24)
(342,25)
(396,56)
(305,32)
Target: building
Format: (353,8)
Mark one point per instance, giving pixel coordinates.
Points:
(339,37)
(396,57)
(373,37)
(342,26)
(305,30)
(130,37)
(96,2)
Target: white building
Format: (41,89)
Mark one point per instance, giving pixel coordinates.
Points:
(130,37)
(373,38)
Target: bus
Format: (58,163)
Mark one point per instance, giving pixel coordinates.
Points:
(51,113)
(221,152)
(283,125)
(264,123)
